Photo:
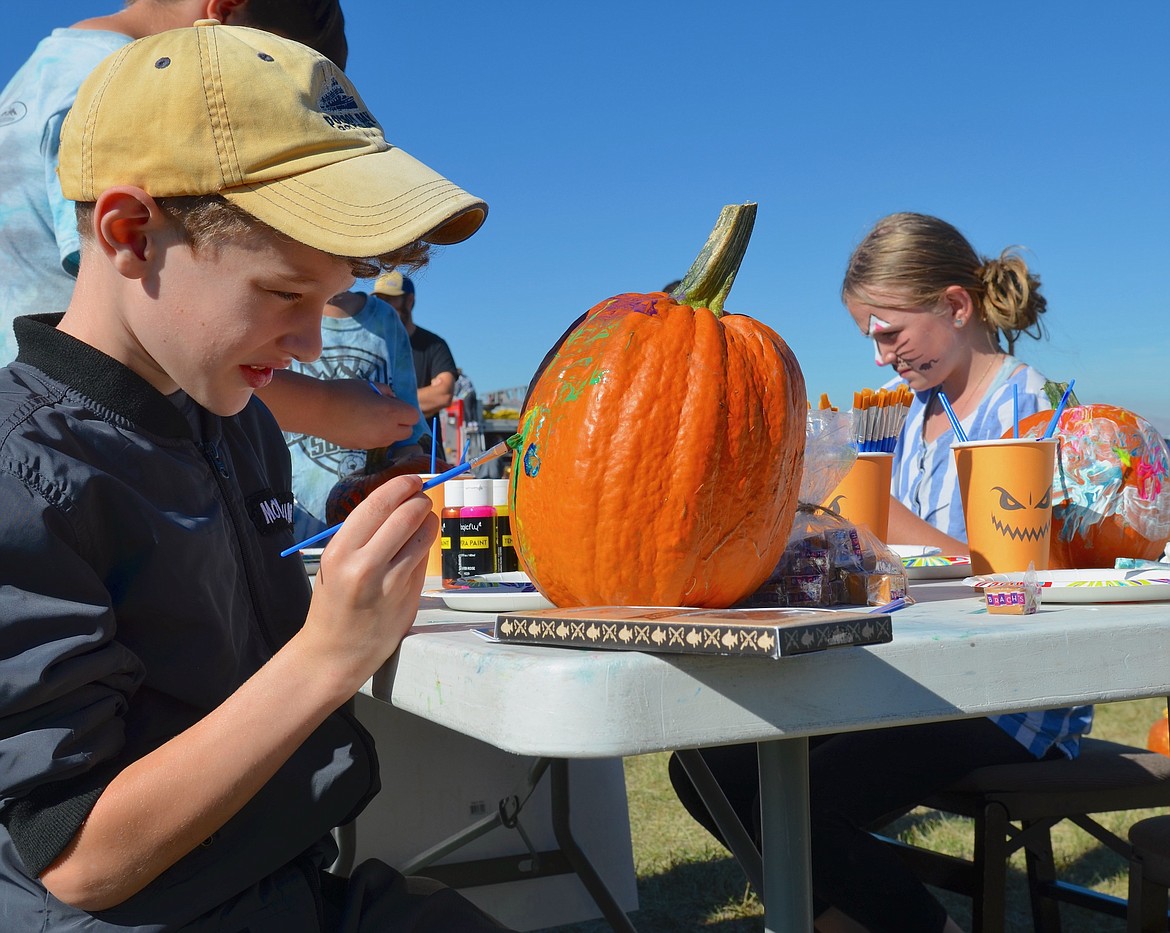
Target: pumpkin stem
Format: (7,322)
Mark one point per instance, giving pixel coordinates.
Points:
(710,276)
(1055,390)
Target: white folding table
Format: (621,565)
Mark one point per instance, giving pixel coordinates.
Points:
(949,659)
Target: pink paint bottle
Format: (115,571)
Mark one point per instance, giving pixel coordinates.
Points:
(477,529)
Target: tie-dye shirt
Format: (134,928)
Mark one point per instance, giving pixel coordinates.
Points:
(926,482)
(38,231)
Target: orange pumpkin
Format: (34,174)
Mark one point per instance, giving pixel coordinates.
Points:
(1111,488)
(662,447)
(1158,739)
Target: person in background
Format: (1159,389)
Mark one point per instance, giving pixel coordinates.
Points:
(362,339)
(174,724)
(38,229)
(936,311)
(434,366)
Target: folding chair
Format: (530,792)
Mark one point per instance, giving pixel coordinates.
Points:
(1015,807)
(1149,875)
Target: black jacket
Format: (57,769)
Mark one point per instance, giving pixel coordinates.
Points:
(140,585)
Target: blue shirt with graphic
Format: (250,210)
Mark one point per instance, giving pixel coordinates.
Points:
(371,344)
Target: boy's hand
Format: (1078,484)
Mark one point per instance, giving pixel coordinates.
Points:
(371,574)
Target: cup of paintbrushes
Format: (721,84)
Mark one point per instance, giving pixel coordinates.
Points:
(878,416)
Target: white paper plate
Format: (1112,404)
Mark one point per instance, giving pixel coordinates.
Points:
(914,550)
(507,576)
(488,599)
(937,567)
(1090,586)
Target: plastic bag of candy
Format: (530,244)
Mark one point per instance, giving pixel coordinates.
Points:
(829,561)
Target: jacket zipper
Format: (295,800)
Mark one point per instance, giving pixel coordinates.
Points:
(211,453)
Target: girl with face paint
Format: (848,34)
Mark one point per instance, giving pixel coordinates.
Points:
(943,318)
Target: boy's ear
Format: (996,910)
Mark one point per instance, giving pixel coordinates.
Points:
(128,225)
(222,10)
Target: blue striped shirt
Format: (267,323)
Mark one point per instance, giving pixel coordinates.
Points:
(926,482)
(924,476)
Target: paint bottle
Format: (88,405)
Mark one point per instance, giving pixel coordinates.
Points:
(449,530)
(506,559)
(477,529)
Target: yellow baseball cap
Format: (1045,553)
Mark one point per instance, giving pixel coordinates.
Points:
(271,125)
(393,284)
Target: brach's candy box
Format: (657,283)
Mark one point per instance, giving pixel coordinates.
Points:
(1017,599)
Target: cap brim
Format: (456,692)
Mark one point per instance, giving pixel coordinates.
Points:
(366,206)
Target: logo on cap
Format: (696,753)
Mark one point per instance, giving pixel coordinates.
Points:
(342,111)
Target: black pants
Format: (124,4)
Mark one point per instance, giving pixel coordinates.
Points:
(859,781)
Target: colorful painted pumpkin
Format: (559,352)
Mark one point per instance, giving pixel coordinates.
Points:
(1111,488)
(662,449)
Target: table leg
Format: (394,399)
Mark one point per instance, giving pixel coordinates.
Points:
(563,831)
(735,834)
(427,858)
(786,836)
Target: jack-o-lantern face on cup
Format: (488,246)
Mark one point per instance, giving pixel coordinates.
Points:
(1006,485)
(1023,515)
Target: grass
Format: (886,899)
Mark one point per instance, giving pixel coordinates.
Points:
(687,881)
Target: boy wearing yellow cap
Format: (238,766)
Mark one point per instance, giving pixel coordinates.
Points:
(38,230)
(174,728)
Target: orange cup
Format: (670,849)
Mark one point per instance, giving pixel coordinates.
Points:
(1006,485)
(435,555)
(863,496)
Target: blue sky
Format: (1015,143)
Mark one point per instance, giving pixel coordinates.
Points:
(607,135)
